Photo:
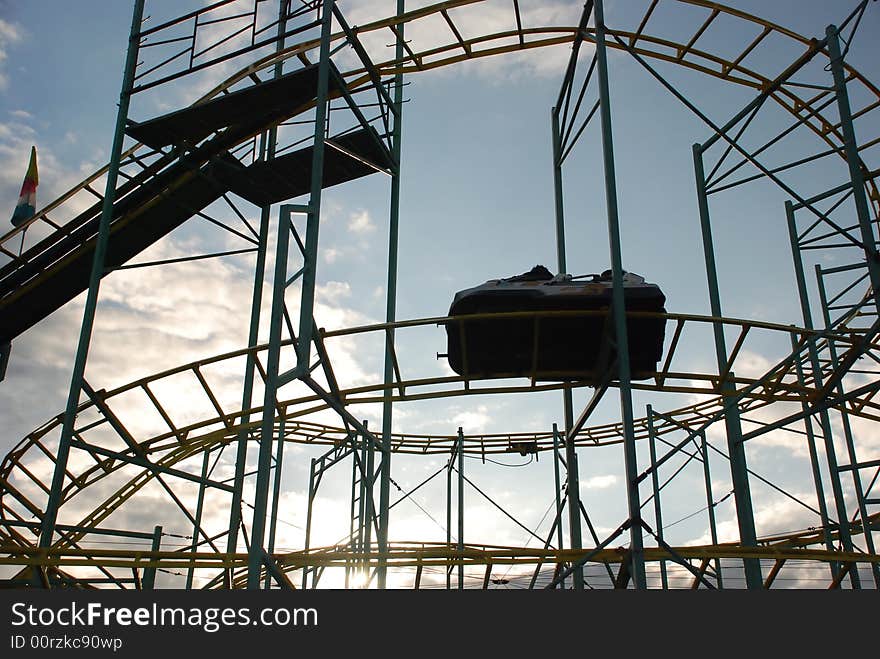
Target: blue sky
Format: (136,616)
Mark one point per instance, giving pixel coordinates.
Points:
(477,203)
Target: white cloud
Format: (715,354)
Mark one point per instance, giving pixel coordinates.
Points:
(10,34)
(476,20)
(473,421)
(335,289)
(148,321)
(750,364)
(599,482)
(771,518)
(360,222)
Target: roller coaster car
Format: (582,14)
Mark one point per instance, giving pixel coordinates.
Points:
(553,347)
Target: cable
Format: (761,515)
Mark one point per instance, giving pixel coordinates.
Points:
(501,464)
(704,508)
(858,12)
(416,488)
(529,537)
(417,504)
(275,517)
(852,34)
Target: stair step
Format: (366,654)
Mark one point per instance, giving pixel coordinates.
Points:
(277,97)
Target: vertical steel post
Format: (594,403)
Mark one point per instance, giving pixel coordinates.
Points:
(854,163)
(710,503)
(557,189)
(313,222)
(352,546)
(573,485)
(261,492)
(824,418)
(801,281)
(268,142)
(814,463)
(460,509)
(307,299)
(739,474)
(361,476)
(851,451)
(558,481)
(655,484)
(869,244)
(50,516)
(310,503)
(618,306)
(200,506)
(149,580)
(368,480)
(276,494)
(248,385)
(449,512)
(573,490)
(390,314)
(859,490)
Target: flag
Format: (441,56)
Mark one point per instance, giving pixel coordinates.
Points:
(27,200)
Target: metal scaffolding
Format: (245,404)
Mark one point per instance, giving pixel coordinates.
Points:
(293,120)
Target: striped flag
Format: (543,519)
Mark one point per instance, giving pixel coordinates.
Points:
(27,200)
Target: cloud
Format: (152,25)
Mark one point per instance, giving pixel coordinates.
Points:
(360,222)
(336,289)
(750,364)
(473,421)
(474,21)
(149,320)
(771,517)
(10,34)
(599,482)
(56,175)
(157,318)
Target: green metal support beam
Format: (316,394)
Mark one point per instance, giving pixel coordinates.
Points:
(851,150)
(573,490)
(268,144)
(560,502)
(655,484)
(267,433)
(618,304)
(313,222)
(817,373)
(200,507)
(710,505)
(391,310)
(76,382)
(738,468)
(149,580)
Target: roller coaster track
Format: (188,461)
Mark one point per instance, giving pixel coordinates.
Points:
(161,454)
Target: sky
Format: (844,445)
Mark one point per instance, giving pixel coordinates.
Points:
(476,204)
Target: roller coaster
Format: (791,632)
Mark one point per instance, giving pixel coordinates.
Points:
(291,121)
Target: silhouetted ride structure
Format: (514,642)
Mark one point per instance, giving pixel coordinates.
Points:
(556,339)
(312,104)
